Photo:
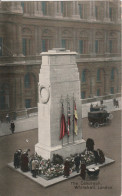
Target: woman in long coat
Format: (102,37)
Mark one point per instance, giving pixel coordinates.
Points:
(24,162)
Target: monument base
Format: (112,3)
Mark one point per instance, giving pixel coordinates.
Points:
(65,150)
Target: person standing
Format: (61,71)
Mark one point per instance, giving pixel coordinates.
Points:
(12,127)
(8,118)
(77,163)
(16,159)
(24,162)
(66,169)
(83,171)
(35,165)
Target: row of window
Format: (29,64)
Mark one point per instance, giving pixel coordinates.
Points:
(47,44)
(99,76)
(64,9)
(65,43)
(98,93)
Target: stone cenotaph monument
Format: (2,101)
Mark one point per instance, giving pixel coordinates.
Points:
(59,89)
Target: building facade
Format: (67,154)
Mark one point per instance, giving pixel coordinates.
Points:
(91,28)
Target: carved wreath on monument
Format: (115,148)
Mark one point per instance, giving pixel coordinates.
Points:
(44,94)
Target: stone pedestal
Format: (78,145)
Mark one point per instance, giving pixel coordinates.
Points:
(58,80)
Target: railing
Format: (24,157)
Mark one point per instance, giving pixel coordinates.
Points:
(99,98)
(16,115)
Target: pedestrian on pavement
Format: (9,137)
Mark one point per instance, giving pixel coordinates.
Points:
(101,102)
(12,127)
(77,162)
(117,104)
(8,118)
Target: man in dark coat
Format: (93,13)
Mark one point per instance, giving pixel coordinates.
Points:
(83,171)
(12,127)
(16,159)
(90,144)
(77,163)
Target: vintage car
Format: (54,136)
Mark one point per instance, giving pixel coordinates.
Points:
(98,116)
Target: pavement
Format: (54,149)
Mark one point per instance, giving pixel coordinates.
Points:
(47,183)
(107,138)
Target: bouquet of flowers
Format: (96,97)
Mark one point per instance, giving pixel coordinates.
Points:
(88,157)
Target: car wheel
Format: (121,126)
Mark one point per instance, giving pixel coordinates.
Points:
(96,125)
(110,116)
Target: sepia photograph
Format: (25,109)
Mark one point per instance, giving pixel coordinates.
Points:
(60,98)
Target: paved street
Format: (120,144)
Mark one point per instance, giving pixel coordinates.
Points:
(106,138)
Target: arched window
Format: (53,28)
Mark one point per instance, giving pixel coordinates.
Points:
(99,42)
(67,39)
(47,40)
(83,76)
(27,80)
(98,75)
(112,74)
(84,42)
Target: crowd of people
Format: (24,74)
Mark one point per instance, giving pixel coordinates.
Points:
(33,164)
(23,161)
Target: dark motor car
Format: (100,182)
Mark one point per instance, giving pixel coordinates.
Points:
(98,116)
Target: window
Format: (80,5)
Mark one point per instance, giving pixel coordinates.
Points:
(112,90)
(62,7)
(111,13)
(24,43)
(96,46)
(81,11)
(98,92)
(26,46)
(1,42)
(81,46)
(22,4)
(110,46)
(27,80)
(83,76)
(44,8)
(99,46)
(96,12)
(112,74)
(46,44)
(27,103)
(63,43)
(98,75)
(83,95)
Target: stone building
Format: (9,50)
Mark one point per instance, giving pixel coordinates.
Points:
(90,28)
